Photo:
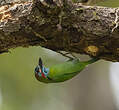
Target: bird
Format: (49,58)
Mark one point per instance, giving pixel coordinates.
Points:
(60,72)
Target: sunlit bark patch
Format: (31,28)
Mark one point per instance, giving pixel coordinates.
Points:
(4,13)
(10,11)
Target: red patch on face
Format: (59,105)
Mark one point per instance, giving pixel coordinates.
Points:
(43,75)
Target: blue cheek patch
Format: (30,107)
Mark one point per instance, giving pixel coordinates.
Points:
(45,71)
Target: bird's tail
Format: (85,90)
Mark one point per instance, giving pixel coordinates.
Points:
(93,60)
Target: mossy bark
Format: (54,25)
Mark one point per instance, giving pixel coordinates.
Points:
(60,26)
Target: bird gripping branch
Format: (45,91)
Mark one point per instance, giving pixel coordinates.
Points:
(60,72)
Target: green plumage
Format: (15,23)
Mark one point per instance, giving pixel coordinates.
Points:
(65,71)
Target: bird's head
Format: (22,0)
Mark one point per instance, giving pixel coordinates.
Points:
(41,73)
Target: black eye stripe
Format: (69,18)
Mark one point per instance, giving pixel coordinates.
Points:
(45,70)
(36,69)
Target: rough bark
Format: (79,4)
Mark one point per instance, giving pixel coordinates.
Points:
(60,26)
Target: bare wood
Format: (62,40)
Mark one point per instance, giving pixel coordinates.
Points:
(60,26)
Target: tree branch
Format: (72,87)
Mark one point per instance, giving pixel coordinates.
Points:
(60,26)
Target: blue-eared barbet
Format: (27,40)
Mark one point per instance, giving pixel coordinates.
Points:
(60,72)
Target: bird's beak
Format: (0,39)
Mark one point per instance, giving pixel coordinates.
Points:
(40,62)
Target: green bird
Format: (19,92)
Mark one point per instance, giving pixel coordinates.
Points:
(60,72)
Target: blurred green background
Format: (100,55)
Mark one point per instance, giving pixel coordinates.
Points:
(93,89)
(19,90)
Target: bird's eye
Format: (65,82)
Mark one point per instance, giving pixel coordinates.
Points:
(45,70)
